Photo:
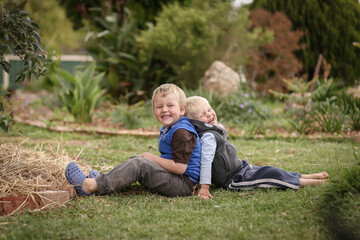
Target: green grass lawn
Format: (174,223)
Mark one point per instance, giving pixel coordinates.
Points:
(259,214)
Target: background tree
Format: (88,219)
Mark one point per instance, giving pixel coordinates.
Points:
(330,26)
(19,36)
(56,30)
(79,11)
(276,60)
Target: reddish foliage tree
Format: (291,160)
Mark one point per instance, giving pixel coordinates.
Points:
(274,61)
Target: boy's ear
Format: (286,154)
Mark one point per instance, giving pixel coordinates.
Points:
(182,111)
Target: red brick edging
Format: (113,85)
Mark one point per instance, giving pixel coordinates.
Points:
(39,200)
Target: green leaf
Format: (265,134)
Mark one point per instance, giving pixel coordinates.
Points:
(3,49)
(67,76)
(107,51)
(6,66)
(4,93)
(20,78)
(11,49)
(4,127)
(127,56)
(23,13)
(4,123)
(88,73)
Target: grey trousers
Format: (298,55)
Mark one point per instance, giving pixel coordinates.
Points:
(148,173)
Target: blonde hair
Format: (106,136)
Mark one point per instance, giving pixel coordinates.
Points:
(168,88)
(192,104)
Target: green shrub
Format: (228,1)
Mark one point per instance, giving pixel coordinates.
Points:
(340,205)
(326,88)
(189,39)
(80,92)
(241,108)
(112,44)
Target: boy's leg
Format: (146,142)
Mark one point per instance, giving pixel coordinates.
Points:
(148,173)
(265,177)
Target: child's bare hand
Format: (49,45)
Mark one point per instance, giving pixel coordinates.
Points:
(147,155)
(204,193)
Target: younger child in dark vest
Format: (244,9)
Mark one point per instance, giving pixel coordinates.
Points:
(221,166)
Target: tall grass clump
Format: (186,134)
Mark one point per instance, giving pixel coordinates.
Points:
(138,115)
(353,110)
(330,116)
(340,205)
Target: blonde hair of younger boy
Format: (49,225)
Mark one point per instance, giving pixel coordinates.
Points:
(192,105)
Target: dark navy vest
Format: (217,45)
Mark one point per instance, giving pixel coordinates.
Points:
(226,164)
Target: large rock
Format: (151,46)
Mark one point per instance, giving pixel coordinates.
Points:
(221,79)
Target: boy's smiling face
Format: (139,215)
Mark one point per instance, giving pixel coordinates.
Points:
(167,110)
(206,114)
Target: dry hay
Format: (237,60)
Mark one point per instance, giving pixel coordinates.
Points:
(25,172)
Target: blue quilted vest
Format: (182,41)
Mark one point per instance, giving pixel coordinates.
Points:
(165,149)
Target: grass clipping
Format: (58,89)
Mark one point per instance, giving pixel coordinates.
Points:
(26,172)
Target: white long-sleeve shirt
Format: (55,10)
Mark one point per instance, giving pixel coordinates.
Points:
(208,148)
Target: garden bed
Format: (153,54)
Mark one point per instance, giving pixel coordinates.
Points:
(42,116)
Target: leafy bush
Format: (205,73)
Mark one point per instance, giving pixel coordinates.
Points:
(112,43)
(326,88)
(276,60)
(80,92)
(340,204)
(236,109)
(240,108)
(190,38)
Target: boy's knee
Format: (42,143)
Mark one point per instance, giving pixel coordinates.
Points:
(140,162)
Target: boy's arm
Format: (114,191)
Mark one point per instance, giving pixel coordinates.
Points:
(168,164)
(183,144)
(208,148)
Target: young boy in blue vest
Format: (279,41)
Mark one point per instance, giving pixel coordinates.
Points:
(174,173)
(221,166)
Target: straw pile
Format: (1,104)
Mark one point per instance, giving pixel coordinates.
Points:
(25,172)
